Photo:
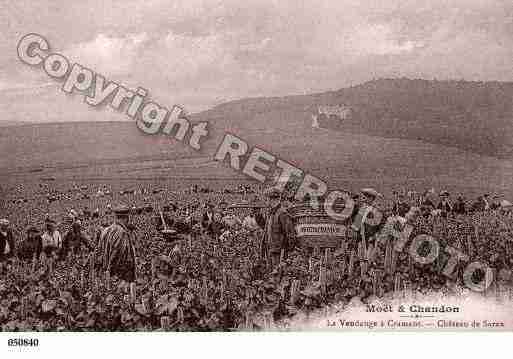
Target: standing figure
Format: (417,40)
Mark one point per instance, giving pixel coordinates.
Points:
(445,205)
(52,240)
(74,239)
(116,247)
(32,246)
(364,224)
(426,204)
(459,206)
(208,219)
(6,240)
(279,231)
(401,205)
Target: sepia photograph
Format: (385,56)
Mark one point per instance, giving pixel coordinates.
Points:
(258,166)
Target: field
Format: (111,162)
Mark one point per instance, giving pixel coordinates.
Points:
(201,283)
(117,151)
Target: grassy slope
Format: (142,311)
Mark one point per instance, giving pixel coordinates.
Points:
(343,159)
(420,133)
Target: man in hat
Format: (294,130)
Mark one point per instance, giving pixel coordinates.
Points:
(32,246)
(459,206)
(52,240)
(116,247)
(426,205)
(7,248)
(445,206)
(279,231)
(207,221)
(401,205)
(74,239)
(363,215)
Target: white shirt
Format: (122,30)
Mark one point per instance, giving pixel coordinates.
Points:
(52,240)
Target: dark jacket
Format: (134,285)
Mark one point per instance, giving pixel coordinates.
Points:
(279,231)
(446,208)
(459,207)
(30,247)
(73,242)
(7,238)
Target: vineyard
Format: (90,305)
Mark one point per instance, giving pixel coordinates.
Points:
(199,283)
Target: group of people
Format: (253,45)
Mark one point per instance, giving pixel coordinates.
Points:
(446,206)
(48,241)
(115,249)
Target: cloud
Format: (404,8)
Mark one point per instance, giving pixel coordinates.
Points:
(380,39)
(192,55)
(226,49)
(109,55)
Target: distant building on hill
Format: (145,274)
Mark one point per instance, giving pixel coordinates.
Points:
(331,116)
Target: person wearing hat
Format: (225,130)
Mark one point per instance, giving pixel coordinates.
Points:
(7,243)
(75,239)
(401,206)
(52,240)
(207,221)
(116,247)
(426,205)
(363,210)
(279,231)
(32,246)
(444,206)
(459,206)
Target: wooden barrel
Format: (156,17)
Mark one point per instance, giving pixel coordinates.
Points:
(314,228)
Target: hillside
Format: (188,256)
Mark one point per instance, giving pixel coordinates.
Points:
(413,132)
(474,116)
(118,151)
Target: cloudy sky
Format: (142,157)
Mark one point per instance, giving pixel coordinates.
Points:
(199,53)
